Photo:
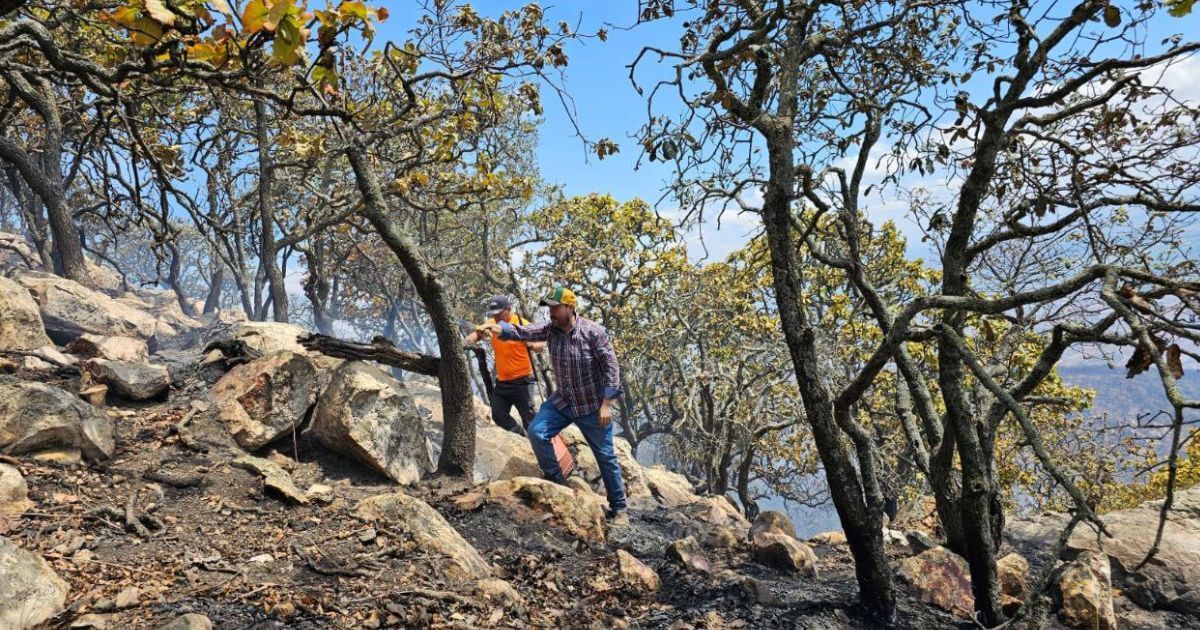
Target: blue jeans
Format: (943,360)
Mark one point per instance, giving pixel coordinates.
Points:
(550,421)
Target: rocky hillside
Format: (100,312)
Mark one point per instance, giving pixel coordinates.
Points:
(147,483)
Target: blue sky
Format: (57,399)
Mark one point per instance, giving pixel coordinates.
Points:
(607,105)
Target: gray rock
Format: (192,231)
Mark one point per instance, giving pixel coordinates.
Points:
(131,381)
(428,529)
(919,541)
(687,553)
(274,477)
(69,309)
(114,348)
(773,521)
(20,322)
(365,414)
(1172,579)
(32,592)
(36,416)
(190,621)
(14,492)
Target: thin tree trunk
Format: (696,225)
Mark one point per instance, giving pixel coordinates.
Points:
(213,301)
(458,442)
(266,218)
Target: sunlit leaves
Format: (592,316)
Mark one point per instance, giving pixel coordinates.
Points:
(1180,8)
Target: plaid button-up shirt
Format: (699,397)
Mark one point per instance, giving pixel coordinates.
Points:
(585,364)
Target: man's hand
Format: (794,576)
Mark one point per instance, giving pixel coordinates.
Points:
(536,346)
(487,330)
(605,413)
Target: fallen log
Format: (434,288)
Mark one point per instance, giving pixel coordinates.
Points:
(380,350)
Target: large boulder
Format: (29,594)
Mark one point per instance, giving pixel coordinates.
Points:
(1086,586)
(270,337)
(428,396)
(670,488)
(32,592)
(113,348)
(36,417)
(502,454)
(129,380)
(772,548)
(1171,579)
(428,530)
(70,309)
(580,513)
(265,399)
(20,323)
(940,577)
(369,416)
(14,492)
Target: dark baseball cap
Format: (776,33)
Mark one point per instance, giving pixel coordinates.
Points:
(497,304)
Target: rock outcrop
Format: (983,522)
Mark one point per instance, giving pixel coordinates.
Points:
(366,414)
(36,417)
(69,309)
(1172,579)
(670,488)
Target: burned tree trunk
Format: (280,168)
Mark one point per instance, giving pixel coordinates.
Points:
(379,350)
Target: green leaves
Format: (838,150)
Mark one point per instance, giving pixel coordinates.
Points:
(1180,8)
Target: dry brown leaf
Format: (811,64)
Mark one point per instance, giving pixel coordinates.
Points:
(1174,361)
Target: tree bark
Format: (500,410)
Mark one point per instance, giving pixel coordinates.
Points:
(266,217)
(213,301)
(44,176)
(860,512)
(454,376)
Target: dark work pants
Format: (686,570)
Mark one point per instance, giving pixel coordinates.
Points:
(509,394)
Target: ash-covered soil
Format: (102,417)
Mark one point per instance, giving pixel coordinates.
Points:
(170,517)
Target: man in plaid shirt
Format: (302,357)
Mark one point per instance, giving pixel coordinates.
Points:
(588,381)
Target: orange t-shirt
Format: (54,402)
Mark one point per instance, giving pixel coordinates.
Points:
(512,357)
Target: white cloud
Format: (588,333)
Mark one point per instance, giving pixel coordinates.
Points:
(1183,79)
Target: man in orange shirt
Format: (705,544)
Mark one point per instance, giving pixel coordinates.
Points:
(514,369)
